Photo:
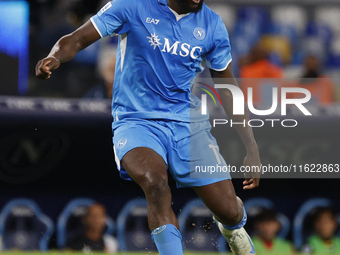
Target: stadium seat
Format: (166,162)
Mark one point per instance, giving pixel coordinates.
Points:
(251,24)
(298,59)
(254,14)
(302,222)
(334,55)
(319,30)
(253,207)
(314,46)
(247,31)
(199,232)
(291,16)
(24,227)
(329,15)
(241,48)
(227,13)
(69,224)
(132,227)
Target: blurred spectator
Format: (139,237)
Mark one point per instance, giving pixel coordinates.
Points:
(312,68)
(52,19)
(320,87)
(259,67)
(324,240)
(106,69)
(266,241)
(278,48)
(93,238)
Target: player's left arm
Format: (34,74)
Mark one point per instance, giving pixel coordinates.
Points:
(245,132)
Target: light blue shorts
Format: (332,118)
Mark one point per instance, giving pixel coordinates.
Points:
(187,149)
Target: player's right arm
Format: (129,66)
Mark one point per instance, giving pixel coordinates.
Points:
(66,49)
(113,18)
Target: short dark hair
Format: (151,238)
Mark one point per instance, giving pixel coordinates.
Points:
(87,212)
(323,210)
(266,215)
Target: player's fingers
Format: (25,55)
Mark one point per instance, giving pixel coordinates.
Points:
(251,186)
(248,181)
(257,182)
(54,64)
(42,71)
(40,67)
(46,65)
(44,74)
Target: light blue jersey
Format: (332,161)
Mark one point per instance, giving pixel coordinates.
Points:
(159,55)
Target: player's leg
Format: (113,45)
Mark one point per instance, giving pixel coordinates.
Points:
(221,199)
(229,214)
(148,169)
(200,154)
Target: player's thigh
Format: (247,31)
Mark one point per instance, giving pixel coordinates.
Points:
(139,153)
(206,161)
(221,199)
(145,166)
(196,160)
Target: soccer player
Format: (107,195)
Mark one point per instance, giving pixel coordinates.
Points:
(157,123)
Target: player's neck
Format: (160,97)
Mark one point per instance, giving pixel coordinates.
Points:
(175,6)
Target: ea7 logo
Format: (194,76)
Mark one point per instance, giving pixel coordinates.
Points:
(106,7)
(153,21)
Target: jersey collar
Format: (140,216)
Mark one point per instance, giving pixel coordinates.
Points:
(163,2)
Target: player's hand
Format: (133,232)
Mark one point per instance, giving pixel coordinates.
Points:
(44,67)
(252,179)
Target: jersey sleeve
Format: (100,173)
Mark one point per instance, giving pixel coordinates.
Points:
(114,17)
(219,57)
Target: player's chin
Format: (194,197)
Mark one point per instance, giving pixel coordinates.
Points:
(196,5)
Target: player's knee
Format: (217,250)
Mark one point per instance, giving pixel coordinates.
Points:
(156,185)
(233,215)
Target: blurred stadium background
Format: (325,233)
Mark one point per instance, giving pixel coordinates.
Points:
(55,136)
